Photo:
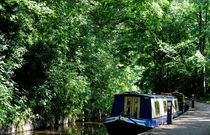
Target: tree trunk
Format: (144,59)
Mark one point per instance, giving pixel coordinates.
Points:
(155,80)
(159,80)
(203,80)
(202,43)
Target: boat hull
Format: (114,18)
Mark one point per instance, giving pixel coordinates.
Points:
(124,128)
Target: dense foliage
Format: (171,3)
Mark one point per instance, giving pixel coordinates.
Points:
(68,58)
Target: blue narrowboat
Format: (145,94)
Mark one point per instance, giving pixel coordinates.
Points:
(133,112)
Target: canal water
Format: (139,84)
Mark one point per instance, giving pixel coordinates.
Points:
(76,129)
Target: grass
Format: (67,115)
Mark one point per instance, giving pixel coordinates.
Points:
(205,99)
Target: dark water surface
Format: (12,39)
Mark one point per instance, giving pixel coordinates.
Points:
(76,129)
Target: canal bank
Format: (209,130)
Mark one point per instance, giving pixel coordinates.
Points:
(29,125)
(55,125)
(193,122)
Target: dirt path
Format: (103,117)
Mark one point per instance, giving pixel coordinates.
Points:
(194,122)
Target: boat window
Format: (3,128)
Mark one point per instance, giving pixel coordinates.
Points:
(165,106)
(157,107)
(132,106)
(176,106)
(128,106)
(135,107)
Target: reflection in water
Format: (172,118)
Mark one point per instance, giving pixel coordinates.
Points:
(78,129)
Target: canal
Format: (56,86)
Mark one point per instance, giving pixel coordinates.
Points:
(73,129)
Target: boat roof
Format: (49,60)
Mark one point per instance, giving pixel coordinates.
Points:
(135,93)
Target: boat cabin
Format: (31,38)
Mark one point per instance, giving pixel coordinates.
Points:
(151,109)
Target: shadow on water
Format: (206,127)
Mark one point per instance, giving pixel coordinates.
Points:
(87,129)
(76,129)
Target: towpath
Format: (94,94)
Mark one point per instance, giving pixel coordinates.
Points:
(193,122)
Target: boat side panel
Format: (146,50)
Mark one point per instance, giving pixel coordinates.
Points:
(118,106)
(145,108)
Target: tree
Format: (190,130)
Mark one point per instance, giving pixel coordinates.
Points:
(201,14)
